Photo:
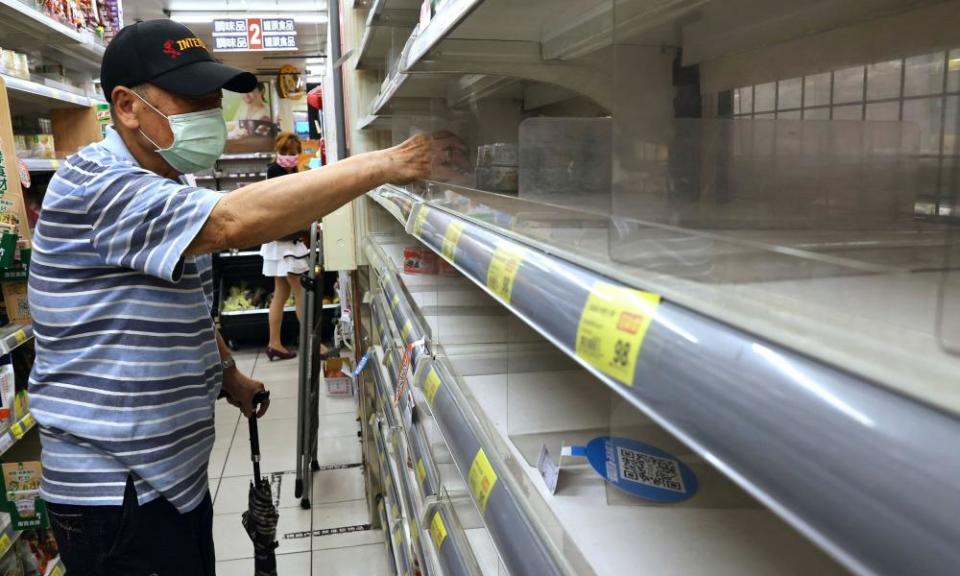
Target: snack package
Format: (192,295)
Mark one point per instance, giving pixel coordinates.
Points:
(419,260)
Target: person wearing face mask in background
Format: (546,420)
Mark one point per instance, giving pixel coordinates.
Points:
(129,364)
(284,260)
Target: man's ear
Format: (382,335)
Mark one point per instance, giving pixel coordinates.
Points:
(125,104)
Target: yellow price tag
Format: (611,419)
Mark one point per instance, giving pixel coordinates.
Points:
(612,326)
(431,385)
(394,302)
(482,479)
(438,531)
(29,421)
(504,265)
(5,544)
(396,536)
(394,511)
(407,327)
(451,239)
(17,430)
(57,571)
(421,471)
(415,530)
(20,336)
(421,218)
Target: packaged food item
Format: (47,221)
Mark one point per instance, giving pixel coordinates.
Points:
(31,557)
(498,154)
(7,393)
(15,300)
(10,565)
(39,146)
(419,260)
(498,179)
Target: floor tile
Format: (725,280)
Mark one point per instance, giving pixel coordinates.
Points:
(338,485)
(233,542)
(348,540)
(218,458)
(281,408)
(340,514)
(369,560)
(336,405)
(275,456)
(286,428)
(297,564)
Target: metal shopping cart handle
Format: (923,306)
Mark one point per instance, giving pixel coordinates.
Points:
(258,399)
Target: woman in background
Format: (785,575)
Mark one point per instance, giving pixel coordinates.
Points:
(284,259)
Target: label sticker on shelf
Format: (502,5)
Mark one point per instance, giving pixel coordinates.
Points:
(5,544)
(438,531)
(17,430)
(451,239)
(431,385)
(612,326)
(57,570)
(482,479)
(504,265)
(6,441)
(20,336)
(394,511)
(394,302)
(421,218)
(29,421)
(405,331)
(421,471)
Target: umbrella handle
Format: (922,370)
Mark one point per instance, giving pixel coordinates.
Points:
(258,399)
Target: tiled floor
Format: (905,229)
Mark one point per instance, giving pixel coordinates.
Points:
(337,495)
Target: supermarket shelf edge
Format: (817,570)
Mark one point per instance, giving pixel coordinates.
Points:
(693,380)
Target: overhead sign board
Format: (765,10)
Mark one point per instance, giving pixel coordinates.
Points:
(246,34)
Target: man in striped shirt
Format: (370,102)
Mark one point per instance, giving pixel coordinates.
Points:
(129,363)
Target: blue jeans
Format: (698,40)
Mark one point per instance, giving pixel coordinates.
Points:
(133,540)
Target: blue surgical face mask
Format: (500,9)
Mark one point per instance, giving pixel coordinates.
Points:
(198,139)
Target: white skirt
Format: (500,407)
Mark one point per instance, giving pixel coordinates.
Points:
(282,258)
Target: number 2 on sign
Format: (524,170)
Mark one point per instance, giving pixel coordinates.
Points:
(612,326)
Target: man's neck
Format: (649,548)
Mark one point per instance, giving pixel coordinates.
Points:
(145,156)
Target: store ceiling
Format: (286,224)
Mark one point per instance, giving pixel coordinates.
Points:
(310,17)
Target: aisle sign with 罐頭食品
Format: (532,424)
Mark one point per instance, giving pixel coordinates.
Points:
(246,34)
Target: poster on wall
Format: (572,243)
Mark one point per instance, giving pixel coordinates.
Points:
(251,122)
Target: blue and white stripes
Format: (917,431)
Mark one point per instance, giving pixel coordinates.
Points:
(127,368)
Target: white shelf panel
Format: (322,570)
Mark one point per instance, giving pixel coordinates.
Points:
(17,431)
(760,413)
(46,94)
(239,254)
(247,156)
(42,164)
(13,336)
(255,311)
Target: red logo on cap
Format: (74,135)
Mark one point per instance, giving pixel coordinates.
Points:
(169,50)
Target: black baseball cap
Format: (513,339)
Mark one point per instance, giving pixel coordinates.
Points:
(171,56)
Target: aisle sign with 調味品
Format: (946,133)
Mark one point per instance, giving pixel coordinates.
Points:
(247,34)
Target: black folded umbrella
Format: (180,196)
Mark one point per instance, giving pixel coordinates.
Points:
(260,519)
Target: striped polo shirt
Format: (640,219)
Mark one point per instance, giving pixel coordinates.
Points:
(127,368)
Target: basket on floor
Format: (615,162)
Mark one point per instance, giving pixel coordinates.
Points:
(338,383)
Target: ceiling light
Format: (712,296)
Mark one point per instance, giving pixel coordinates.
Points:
(247,6)
(191,17)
